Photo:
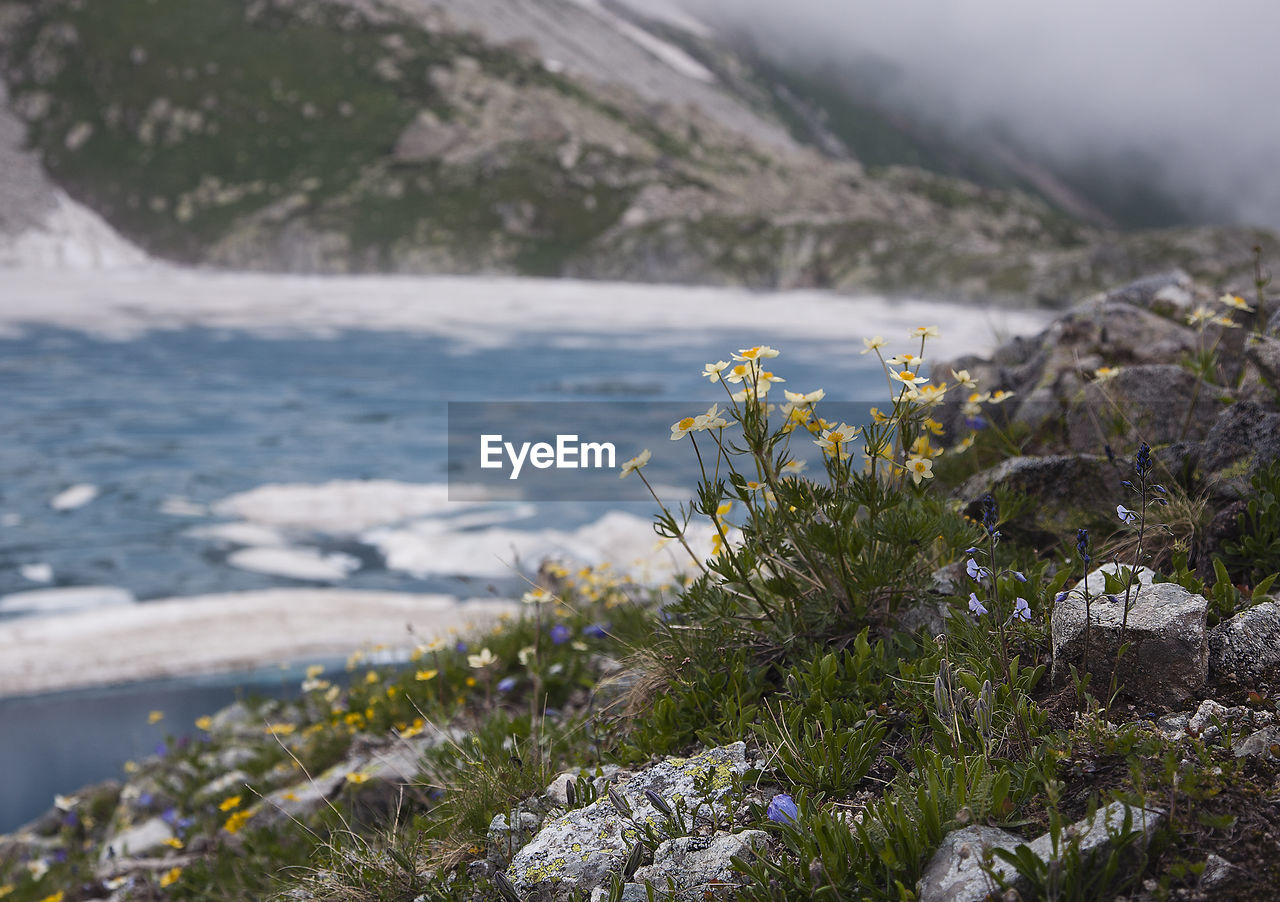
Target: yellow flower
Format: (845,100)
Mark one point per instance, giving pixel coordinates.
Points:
(237,821)
(173,842)
(55,897)
(878,417)
(314,671)
(724,508)
(636,463)
(6,889)
(683,427)
(170,877)
(933,425)
(919,468)
(155,717)
(925,332)
(424,675)
(713,370)
(371,677)
(872,344)
(921,448)
(280,729)
(357,778)
(482,660)
(131,767)
(759,352)
(1235,301)
(204,723)
(228,803)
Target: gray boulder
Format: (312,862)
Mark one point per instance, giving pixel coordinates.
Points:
(1070,491)
(584,848)
(1264,743)
(956,872)
(1245,436)
(700,867)
(1151,403)
(1247,647)
(1168,657)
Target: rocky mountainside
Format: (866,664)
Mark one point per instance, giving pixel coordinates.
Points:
(545,138)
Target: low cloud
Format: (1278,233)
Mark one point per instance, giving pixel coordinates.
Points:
(1182,88)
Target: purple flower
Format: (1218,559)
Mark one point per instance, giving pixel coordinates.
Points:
(976,606)
(1125,515)
(596,630)
(975,572)
(460,647)
(560,634)
(1017,574)
(506,684)
(1021,610)
(782,809)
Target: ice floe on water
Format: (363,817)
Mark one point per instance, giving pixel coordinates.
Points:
(74,496)
(37,573)
(296,563)
(479,312)
(64,600)
(417,531)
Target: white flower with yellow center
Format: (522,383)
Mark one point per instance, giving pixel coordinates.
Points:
(872,344)
(713,370)
(834,441)
(1200,315)
(925,332)
(537,595)
(710,420)
(919,468)
(759,352)
(482,660)
(963,378)
(636,463)
(906,377)
(1103,373)
(964,444)
(999,397)
(680,429)
(740,372)
(908,361)
(1235,301)
(792,467)
(931,394)
(1225,321)
(812,397)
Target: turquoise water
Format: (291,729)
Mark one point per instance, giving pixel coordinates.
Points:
(201,414)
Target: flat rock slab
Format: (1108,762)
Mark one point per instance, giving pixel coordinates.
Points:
(583,849)
(1247,647)
(1168,657)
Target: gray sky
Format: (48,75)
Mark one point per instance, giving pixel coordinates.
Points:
(1192,83)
